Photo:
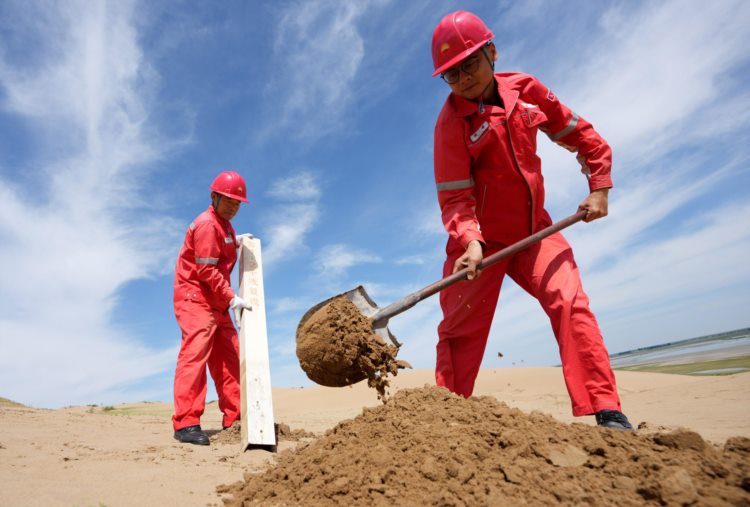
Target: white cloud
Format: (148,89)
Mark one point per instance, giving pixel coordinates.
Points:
(287,223)
(416,330)
(295,187)
(319,52)
(427,221)
(288,304)
(333,261)
(653,292)
(417,260)
(83,232)
(680,266)
(287,227)
(638,209)
(650,90)
(386,293)
(674,243)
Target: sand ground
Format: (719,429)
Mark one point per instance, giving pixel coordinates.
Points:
(85,456)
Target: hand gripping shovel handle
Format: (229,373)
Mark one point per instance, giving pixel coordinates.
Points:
(412,299)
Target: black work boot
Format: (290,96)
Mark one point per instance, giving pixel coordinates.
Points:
(613,419)
(191,435)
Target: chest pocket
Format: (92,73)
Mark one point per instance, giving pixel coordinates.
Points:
(527,120)
(531,115)
(229,249)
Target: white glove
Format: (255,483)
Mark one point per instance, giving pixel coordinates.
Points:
(238,304)
(245,235)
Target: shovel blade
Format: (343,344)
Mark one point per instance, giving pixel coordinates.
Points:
(364,303)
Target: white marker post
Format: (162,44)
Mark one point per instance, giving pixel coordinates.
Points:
(255,372)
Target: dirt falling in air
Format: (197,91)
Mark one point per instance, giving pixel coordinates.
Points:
(429,447)
(336,348)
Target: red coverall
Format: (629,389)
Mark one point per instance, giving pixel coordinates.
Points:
(202,293)
(490,188)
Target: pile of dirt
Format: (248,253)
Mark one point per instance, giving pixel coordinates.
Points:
(233,434)
(429,447)
(336,347)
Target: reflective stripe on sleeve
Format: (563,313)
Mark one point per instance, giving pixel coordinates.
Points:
(455,185)
(206,260)
(567,130)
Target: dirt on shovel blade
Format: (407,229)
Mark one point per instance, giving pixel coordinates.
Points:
(336,347)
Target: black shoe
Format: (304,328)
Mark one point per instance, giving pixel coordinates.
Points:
(613,419)
(191,435)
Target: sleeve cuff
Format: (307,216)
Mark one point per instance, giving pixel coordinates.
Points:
(229,295)
(600,182)
(469,236)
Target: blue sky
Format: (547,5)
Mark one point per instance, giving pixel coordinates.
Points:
(116,116)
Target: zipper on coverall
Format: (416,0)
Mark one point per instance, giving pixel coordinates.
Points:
(518,168)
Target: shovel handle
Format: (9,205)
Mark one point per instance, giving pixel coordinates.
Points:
(412,299)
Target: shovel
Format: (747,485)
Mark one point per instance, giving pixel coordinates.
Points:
(380,316)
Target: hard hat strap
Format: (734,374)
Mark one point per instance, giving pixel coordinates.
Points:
(486,54)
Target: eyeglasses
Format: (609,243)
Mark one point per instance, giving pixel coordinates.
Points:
(468,66)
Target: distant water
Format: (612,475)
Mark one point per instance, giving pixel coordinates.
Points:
(693,350)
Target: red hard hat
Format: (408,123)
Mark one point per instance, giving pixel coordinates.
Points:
(230,184)
(457,36)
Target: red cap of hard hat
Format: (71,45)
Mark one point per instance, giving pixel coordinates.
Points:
(457,36)
(230,184)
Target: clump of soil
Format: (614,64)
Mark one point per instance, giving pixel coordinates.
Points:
(430,447)
(336,347)
(233,434)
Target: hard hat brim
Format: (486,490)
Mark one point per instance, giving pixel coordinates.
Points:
(231,196)
(456,59)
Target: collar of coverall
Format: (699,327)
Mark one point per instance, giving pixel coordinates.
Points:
(466,107)
(216,215)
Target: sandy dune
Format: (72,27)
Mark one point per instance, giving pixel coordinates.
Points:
(86,456)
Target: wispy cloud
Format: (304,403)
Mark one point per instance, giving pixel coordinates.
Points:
(300,186)
(73,241)
(286,224)
(427,221)
(285,305)
(319,52)
(417,260)
(650,94)
(653,292)
(333,261)
(681,266)
(668,105)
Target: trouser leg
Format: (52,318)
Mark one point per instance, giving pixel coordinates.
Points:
(224,365)
(198,327)
(468,308)
(547,271)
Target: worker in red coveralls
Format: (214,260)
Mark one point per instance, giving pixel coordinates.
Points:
(491,194)
(202,299)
